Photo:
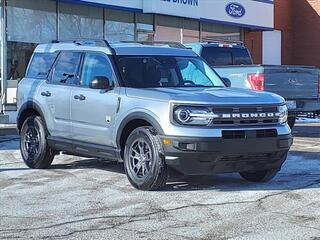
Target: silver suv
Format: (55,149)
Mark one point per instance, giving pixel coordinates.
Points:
(155,107)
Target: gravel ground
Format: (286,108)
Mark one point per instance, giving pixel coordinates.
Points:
(92,199)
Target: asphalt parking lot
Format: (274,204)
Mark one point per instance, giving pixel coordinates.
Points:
(91,199)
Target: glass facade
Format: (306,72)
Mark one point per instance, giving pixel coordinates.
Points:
(211,31)
(186,30)
(30,22)
(80,21)
(119,25)
(145,27)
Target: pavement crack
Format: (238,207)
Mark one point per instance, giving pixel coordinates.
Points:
(259,201)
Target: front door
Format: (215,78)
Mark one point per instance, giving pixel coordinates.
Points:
(92,110)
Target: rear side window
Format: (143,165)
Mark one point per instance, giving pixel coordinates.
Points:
(217,56)
(66,68)
(41,65)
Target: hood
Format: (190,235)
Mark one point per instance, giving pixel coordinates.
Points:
(237,96)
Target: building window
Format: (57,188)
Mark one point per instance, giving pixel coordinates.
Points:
(177,29)
(169,28)
(119,25)
(211,31)
(31,21)
(79,21)
(190,30)
(144,26)
(28,23)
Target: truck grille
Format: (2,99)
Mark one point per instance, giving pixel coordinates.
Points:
(250,115)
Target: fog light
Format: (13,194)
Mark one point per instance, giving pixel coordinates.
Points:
(166,141)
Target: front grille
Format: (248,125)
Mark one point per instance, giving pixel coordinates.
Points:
(233,134)
(245,115)
(252,157)
(240,134)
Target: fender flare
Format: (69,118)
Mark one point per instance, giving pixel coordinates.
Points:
(24,107)
(137,116)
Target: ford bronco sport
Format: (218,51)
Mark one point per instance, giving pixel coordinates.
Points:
(153,107)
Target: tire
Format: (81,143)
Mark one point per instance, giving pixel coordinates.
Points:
(33,144)
(146,171)
(291,121)
(259,176)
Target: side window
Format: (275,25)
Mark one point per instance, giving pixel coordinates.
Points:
(66,68)
(96,65)
(41,65)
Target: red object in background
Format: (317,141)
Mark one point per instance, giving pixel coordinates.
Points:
(319,85)
(256,81)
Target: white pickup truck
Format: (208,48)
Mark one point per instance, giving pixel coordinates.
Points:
(299,85)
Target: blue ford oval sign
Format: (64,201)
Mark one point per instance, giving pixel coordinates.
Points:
(235,10)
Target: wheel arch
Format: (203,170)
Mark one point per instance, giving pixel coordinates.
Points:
(133,121)
(26,110)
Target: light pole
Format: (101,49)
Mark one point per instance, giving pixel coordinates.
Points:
(3,56)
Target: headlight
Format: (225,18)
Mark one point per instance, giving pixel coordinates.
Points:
(283,114)
(199,116)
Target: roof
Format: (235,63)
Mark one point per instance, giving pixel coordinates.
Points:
(116,48)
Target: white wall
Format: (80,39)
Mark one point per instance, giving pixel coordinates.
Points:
(271,47)
(257,13)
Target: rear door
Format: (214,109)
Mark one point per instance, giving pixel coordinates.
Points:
(93,111)
(56,93)
(292,82)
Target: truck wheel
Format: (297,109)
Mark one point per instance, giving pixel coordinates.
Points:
(33,144)
(144,161)
(259,176)
(291,121)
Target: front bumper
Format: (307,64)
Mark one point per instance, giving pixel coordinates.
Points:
(248,152)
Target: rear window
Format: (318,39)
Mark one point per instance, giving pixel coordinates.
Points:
(41,65)
(217,56)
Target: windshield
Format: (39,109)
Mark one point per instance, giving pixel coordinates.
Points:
(166,71)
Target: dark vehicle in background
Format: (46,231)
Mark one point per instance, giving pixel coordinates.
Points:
(299,85)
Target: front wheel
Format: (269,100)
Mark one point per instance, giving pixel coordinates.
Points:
(144,161)
(259,176)
(33,144)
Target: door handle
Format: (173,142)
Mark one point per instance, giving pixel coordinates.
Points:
(79,97)
(46,94)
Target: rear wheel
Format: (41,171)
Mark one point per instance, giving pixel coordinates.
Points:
(291,121)
(33,144)
(144,160)
(259,176)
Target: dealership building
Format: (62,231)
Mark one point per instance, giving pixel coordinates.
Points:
(26,23)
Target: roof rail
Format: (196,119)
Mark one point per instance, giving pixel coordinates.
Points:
(158,43)
(223,41)
(84,41)
(96,42)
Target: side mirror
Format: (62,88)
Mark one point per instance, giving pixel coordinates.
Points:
(226,81)
(100,82)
